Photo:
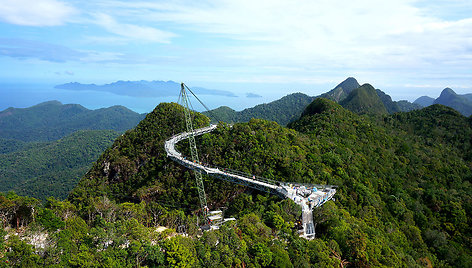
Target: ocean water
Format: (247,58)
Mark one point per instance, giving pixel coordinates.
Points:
(26,95)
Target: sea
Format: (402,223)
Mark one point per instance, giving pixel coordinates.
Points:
(27,95)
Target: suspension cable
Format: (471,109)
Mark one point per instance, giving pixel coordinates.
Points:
(203,104)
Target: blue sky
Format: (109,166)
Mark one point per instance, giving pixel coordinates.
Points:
(268,48)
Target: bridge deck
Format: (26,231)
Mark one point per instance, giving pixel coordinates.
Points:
(232,175)
(306,196)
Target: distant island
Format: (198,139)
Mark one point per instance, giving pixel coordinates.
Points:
(142,88)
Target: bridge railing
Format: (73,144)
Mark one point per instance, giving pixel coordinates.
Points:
(181,136)
(245,174)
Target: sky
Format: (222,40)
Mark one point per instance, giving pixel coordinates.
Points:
(260,50)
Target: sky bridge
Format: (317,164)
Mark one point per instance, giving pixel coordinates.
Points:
(308,196)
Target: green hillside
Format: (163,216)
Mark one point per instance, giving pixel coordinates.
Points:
(420,177)
(364,100)
(390,208)
(137,161)
(44,169)
(403,196)
(10,145)
(437,124)
(53,120)
(282,111)
(41,152)
(224,114)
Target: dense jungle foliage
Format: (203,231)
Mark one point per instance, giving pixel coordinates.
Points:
(403,196)
(45,149)
(364,100)
(10,145)
(44,169)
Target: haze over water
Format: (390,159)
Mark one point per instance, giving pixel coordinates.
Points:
(26,95)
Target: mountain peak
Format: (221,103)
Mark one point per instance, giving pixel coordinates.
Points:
(447,95)
(349,85)
(341,91)
(448,91)
(424,101)
(459,102)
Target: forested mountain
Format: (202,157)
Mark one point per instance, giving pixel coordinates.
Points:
(396,106)
(224,114)
(364,100)
(461,103)
(344,89)
(43,151)
(289,108)
(282,111)
(419,174)
(438,124)
(403,194)
(53,120)
(424,101)
(43,169)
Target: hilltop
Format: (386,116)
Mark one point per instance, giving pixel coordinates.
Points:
(136,164)
(364,100)
(424,101)
(52,120)
(389,179)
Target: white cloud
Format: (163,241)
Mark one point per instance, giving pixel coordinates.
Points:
(131,31)
(35,12)
(25,49)
(353,34)
(277,41)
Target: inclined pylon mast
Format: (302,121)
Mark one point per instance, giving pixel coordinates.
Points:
(193,149)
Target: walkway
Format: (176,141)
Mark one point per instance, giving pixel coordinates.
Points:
(306,196)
